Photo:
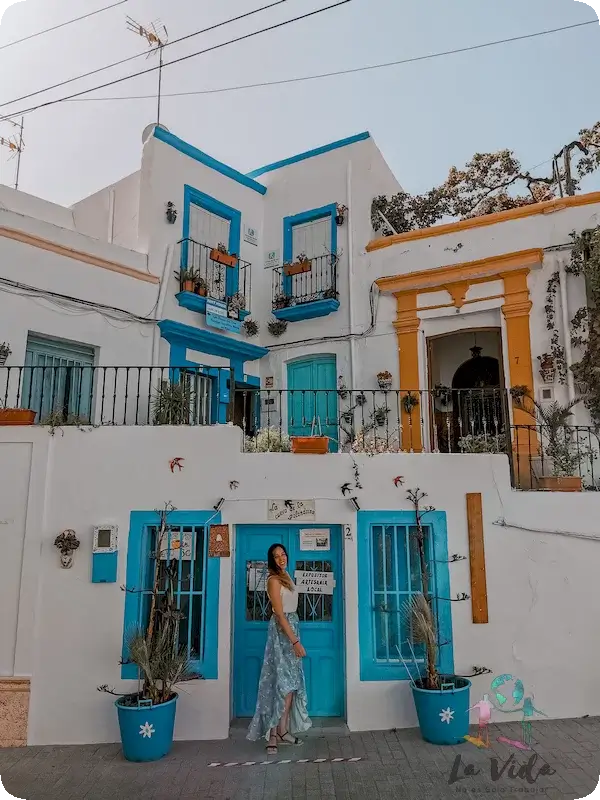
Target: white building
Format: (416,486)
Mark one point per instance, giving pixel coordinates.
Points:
(100,327)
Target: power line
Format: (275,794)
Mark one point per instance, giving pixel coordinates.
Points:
(177,60)
(139,55)
(333,74)
(62,25)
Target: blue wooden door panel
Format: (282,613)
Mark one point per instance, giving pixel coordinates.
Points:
(313,399)
(321,619)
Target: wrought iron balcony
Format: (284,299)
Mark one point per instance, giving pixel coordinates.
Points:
(201,275)
(306,289)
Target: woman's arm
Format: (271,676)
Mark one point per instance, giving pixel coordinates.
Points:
(274,592)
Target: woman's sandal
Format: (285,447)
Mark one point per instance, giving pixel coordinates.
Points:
(287,738)
(272,748)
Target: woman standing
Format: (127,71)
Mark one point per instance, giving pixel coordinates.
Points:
(281,705)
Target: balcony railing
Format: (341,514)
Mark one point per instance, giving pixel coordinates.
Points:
(467,421)
(317,282)
(88,395)
(209,278)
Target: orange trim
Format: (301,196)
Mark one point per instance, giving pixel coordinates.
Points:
(479,598)
(483,270)
(407,331)
(466,302)
(76,255)
(548,207)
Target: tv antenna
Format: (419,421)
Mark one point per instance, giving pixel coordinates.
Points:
(15,145)
(156,36)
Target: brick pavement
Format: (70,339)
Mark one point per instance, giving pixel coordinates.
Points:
(394,764)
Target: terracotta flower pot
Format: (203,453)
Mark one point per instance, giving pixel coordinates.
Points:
(201,291)
(556,483)
(310,445)
(16,416)
(223,258)
(297,268)
(188,286)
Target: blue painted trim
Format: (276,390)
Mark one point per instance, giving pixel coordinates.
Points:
(195,197)
(326,148)
(318,308)
(300,219)
(137,564)
(208,161)
(209,342)
(191,301)
(370,669)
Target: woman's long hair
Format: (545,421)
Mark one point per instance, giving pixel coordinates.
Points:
(281,575)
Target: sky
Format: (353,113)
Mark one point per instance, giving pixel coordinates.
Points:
(531,96)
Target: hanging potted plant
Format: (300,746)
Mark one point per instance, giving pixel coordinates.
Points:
(410,401)
(250,327)
(441,701)
(5,351)
(443,394)
(277,327)
(221,256)
(311,445)
(16,416)
(147,717)
(380,415)
(300,265)
(186,279)
(340,214)
(200,286)
(547,367)
(384,380)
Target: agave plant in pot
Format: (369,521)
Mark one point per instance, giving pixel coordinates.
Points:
(147,717)
(441,701)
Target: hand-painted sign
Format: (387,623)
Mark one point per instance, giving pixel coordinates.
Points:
(290,509)
(217,317)
(314,582)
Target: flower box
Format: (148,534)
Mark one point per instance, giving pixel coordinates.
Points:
(16,416)
(297,268)
(560,483)
(223,258)
(310,445)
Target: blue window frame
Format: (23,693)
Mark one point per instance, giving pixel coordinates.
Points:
(193,196)
(196,587)
(301,219)
(389,575)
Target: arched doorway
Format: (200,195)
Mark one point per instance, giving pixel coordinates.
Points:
(477,398)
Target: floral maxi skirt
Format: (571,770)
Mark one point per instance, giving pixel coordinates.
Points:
(281,674)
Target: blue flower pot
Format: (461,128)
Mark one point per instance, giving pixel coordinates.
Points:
(444,713)
(146,730)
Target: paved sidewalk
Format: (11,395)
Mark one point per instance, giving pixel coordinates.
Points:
(394,764)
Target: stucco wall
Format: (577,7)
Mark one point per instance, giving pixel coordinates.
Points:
(538,583)
(113,219)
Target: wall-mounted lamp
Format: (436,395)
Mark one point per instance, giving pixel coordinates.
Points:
(354,502)
(171,213)
(219,504)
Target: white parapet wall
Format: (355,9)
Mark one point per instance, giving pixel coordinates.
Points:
(65,632)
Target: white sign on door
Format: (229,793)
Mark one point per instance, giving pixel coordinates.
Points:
(290,509)
(315,539)
(314,582)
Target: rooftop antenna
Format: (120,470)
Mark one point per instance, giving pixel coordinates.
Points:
(15,145)
(157,36)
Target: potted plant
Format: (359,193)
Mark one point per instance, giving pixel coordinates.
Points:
(250,327)
(147,717)
(268,440)
(281,300)
(311,445)
(331,294)
(562,450)
(200,286)
(5,351)
(547,367)
(443,394)
(16,416)
(222,256)
(384,380)
(301,264)
(361,399)
(277,327)
(441,701)
(410,401)
(237,302)
(172,403)
(186,279)
(340,214)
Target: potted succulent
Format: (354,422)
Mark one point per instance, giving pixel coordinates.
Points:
(147,717)
(300,265)
(340,214)
(250,327)
(186,279)
(380,415)
(547,367)
(410,401)
(277,327)
(5,351)
(222,256)
(16,416)
(200,286)
(384,380)
(441,701)
(172,403)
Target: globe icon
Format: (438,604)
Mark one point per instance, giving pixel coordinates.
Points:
(507,692)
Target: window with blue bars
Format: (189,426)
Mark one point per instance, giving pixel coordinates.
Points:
(389,575)
(179,559)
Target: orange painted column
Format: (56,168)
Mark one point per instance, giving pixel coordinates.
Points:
(516,308)
(407,331)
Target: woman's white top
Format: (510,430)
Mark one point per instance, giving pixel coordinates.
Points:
(289,598)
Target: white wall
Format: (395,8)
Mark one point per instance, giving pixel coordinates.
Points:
(112,213)
(534,631)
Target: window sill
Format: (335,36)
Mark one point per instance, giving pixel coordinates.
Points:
(195,302)
(318,308)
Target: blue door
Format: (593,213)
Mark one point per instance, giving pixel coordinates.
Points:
(321,617)
(313,398)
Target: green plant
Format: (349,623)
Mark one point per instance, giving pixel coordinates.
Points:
(237,302)
(380,415)
(483,443)
(410,401)
(172,403)
(250,327)
(277,327)
(281,300)
(57,419)
(5,351)
(443,394)
(330,294)
(186,274)
(268,440)
(519,392)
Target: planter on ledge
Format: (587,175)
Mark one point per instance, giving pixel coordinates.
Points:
(297,268)
(444,713)
(560,483)
(223,258)
(310,445)
(16,416)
